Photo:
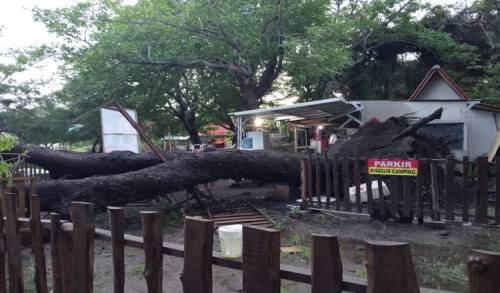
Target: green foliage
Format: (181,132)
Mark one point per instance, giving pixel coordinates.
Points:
(138,269)
(172,212)
(361,272)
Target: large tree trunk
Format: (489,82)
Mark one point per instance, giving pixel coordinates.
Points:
(186,171)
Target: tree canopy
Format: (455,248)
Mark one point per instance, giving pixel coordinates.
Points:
(187,64)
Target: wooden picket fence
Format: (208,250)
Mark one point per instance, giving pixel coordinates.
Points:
(434,192)
(389,264)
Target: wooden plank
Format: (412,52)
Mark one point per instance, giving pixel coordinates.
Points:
(450,188)
(345,181)
(393,189)
(3,279)
(419,205)
(82,216)
(336,185)
(465,189)
(406,194)
(435,215)
(152,233)
(198,245)
(326,265)
(357,183)
(55,251)
(328,181)
(318,180)
(13,244)
(497,190)
(303,184)
(261,249)
(262,213)
(482,190)
(389,267)
(37,244)
(369,192)
(116,224)
(21,195)
(309,181)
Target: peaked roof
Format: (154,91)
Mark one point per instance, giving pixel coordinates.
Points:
(430,74)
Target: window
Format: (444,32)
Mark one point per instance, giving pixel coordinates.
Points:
(442,130)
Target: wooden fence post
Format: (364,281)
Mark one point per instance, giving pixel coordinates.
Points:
(326,265)
(198,246)
(309,181)
(393,189)
(303,184)
(345,182)
(497,190)
(328,181)
(419,202)
(116,224)
(482,191)
(484,269)
(450,188)
(357,183)
(37,243)
(152,233)
(390,268)
(318,179)
(381,195)
(336,186)
(435,215)
(13,244)
(55,251)
(3,279)
(261,260)
(465,189)
(21,194)
(82,216)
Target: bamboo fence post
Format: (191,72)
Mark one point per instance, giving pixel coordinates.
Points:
(449,188)
(116,224)
(152,233)
(198,246)
(55,249)
(13,244)
(484,269)
(261,260)
(37,242)
(390,268)
(326,265)
(82,216)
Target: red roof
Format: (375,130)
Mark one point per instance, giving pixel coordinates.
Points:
(438,70)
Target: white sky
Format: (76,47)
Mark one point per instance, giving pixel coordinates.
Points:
(19,30)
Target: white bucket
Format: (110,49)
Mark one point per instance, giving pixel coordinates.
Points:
(230,237)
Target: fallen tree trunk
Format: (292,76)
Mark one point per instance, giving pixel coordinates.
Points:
(73,165)
(183,172)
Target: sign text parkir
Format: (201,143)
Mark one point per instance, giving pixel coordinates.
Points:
(393,167)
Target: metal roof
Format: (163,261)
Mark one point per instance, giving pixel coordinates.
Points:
(328,109)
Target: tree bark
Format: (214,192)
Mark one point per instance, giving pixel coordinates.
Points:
(185,171)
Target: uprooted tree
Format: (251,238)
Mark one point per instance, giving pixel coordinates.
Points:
(119,178)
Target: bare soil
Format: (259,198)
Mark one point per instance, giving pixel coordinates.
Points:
(439,255)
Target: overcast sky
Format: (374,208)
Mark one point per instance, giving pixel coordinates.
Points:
(19,30)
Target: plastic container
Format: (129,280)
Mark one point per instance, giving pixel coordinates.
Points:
(231,240)
(364,193)
(248,143)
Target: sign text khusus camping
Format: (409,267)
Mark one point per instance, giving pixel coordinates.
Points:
(393,167)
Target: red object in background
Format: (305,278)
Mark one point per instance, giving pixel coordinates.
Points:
(323,144)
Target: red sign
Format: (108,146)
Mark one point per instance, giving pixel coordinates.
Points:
(393,167)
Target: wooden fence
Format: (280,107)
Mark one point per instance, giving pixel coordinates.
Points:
(389,264)
(33,171)
(437,191)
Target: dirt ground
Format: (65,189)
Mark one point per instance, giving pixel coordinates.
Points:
(439,255)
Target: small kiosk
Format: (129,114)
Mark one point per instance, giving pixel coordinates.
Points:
(306,119)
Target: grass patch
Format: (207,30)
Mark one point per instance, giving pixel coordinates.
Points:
(301,242)
(138,269)
(361,272)
(451,272)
